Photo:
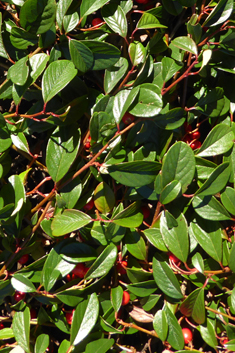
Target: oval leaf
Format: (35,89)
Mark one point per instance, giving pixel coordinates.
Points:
(69,221)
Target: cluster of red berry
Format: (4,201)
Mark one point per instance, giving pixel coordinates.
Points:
(78,272)
(192,137)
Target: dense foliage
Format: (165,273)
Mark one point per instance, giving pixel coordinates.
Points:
(117,165)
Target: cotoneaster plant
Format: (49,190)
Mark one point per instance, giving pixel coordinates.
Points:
(117,176)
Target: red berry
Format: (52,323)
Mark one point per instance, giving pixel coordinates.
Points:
(23,259)
(69,317)
(195,135)
(188,335)
(120,267)
(96,21)
(1,326)
(128,118)
(18,296)
(142,1)
(205,29)
(33,313)
(173,258)
(89,205)
(187,127)
(80,270)
(70,277)
(187,138)
(195,145)
(145,211)
(224,340)
(125,298)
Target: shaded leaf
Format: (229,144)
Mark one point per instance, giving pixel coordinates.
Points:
(103,263)
(194,306)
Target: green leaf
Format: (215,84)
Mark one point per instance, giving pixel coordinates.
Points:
(142,289)
(103,263)
(135,174)
(38,17)
(169,68)
(172,6)
(77,252)
(99,346)
(42,343)
(130,217)
(185,43)
(137,53)
(19,140)
(81,55)
(160,324)
(208,207)
(220,13)
(18,73)
(62,8)
(194,306)
(148,21)
(71,192)
(114,74)
(154,236)
(3,52)
(216,181)
(228,199)
(170,192)
(179,164)
(197,261)
(104,198)
(165,278)
(115,18)
(122,101)
(176,238)
(175,336)
(230,345)
(218,141)
(69,221)
(21,328)
(135,245)
(22,284)
(6,333)
(89,6)
(209,236)
(231,262)
(22,39)
(208,334)
(116,297)
(105,54)
(84,319)
(56,77)
(149,101)
(62,150)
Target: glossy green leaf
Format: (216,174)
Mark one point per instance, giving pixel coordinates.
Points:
(137,53)
(122,102)
(69,221)
(220,13)
(100,346)
(70,21)
(149,101)
(169,68)
(209,236)
(22,39)
(89,6)
(218,141)
(170,120)
(103,263)
(194,306)
(116,297)
(84,319)
(165,278)
(185,43)
(71,192)
(62,150)
(114,74)
(38,17)
(231,262)
(115,17)
(138,173)
(142,289)
(208,334)
(176,238)
(5,140)
(154,236)
(135,245)
(208,207)
(3,52)
(179,164)
(228,199)
(62,8)
(42,343)
(204,167)
(18,73)
(130,217)
(160,324)
(81,55)
(21,328)
(175,335)
(105,54)
(230,345)
(77,252)
(170,192)
(104,198)
(6,333)
(197,261)
(22,284)
(216,181)
(56,77)
(148,21)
